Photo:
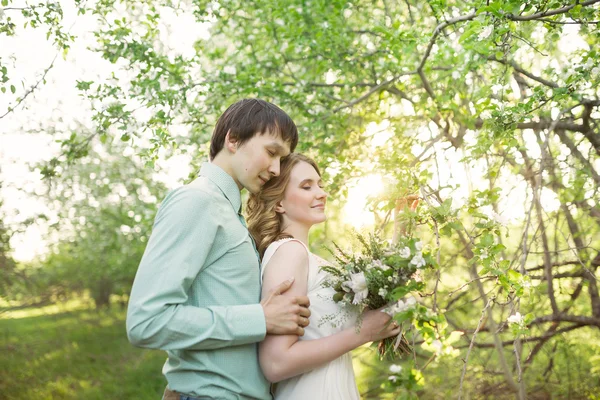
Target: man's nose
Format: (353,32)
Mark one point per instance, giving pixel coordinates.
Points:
(274,168)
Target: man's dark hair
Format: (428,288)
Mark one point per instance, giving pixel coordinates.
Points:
(248,117)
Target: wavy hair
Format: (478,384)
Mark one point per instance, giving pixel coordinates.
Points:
(264,223)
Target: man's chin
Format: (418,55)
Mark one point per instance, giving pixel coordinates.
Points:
(254,189)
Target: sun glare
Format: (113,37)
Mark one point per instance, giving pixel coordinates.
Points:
(356,211)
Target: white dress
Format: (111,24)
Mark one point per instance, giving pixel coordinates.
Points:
(333,380)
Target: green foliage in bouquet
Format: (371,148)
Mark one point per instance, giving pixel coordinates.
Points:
(380,275)
(391,271)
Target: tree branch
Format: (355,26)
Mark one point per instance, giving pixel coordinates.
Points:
(578,319)
(549,13)
(528,74)
(432,41)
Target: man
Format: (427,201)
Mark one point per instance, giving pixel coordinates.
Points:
(197,290)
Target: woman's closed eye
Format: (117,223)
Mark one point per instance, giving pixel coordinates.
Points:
(310,187)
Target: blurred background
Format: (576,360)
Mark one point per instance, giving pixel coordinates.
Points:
(488,110)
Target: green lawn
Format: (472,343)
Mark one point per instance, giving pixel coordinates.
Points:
(77,354)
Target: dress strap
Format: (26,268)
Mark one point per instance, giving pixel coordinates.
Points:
(270,251)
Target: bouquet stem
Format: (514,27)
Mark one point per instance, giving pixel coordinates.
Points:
(394,347)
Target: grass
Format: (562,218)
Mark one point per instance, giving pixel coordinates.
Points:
(75,354)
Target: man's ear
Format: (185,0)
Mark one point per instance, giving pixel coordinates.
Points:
(279,208)
(231,143)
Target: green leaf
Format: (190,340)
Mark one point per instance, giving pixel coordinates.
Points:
(487,240)
(13,89)
(513,276)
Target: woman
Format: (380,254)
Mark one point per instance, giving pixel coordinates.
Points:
(317,365)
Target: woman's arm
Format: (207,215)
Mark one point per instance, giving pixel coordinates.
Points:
(284,356)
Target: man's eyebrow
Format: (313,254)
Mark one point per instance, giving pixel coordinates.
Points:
(279,148)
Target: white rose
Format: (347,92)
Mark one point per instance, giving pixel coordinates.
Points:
(358,284)
(405,252)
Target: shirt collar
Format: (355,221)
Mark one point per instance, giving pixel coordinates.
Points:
(225,182)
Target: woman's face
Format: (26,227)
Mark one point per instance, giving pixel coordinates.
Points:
(304,198)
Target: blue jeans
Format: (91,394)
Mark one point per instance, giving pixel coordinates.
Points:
(172,395)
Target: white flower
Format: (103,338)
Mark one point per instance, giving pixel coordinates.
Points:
(379,264)
(411,301)
(393,378)
(517,318)
(229,69)
(382,292)
(405,252)
(486,32)
(400,306)
(419,245)
(395,369)
(496,88)
(417,276)
(485,114)
(418,260)
(437,345)
(499,218)
(358,284)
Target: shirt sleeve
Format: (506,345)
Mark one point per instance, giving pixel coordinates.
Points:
(157,315)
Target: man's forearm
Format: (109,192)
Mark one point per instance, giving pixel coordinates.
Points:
(177,327)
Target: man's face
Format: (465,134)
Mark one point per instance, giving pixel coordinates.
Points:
(257,160)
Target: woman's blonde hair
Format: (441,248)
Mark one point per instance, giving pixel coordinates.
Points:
(264,223)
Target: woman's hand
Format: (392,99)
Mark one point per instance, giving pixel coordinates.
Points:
(377,325)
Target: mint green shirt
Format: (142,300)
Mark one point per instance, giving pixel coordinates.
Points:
(197,290)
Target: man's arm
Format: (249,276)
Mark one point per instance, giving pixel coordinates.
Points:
(157,316)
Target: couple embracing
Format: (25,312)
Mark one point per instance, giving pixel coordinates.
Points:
(237,305)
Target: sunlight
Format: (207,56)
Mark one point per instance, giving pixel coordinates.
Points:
(356,211)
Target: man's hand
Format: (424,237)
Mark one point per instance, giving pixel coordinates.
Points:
(285,315)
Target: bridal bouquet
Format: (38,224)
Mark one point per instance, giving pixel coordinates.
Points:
(381,275)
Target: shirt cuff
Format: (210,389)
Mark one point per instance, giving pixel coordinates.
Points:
(249,322)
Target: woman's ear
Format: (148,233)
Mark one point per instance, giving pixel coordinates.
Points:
(279,208)
(231,143)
